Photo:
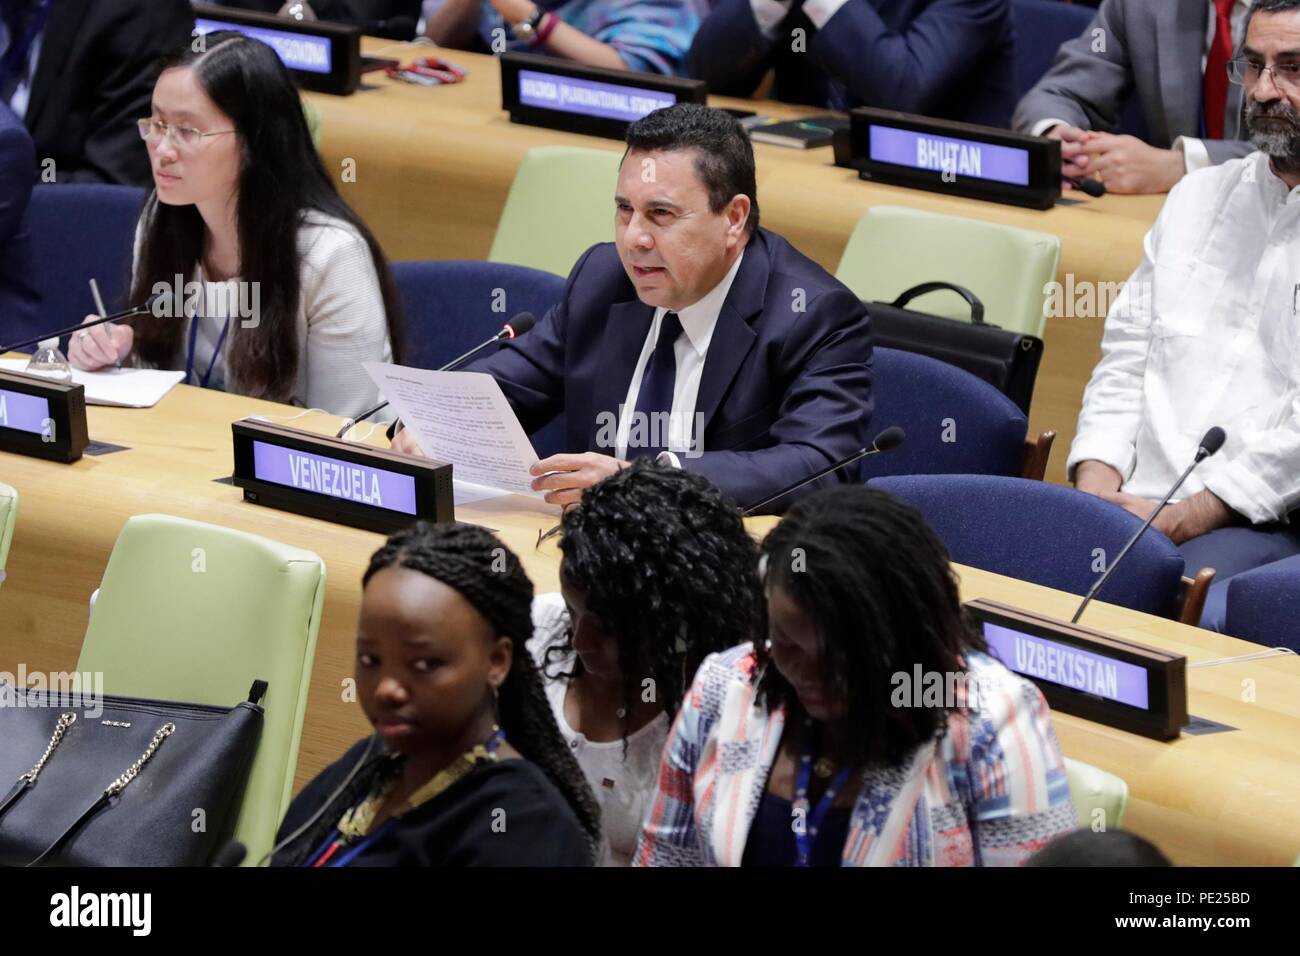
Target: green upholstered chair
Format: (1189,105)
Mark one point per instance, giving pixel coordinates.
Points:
(8,516)
(560,204)
(194,612)
(893,248)
(313,117)
(1092,788)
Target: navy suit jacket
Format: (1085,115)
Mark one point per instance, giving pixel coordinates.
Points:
(786,384)
(18,298)
(952,59)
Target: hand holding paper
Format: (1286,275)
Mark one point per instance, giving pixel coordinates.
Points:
(463,418)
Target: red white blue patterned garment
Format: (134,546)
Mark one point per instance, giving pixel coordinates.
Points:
(994,788)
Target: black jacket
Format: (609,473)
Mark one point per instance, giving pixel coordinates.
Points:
(501,814)
(94,78)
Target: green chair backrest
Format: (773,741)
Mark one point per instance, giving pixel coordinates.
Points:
(1092,789)
(893,248)
(8,517)
(560,204)
(195,612)
(313,117)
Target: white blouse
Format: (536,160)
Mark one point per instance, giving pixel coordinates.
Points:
(623,787)
(341,319)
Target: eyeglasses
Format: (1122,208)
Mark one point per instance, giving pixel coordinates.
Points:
(183,137)
(1285,75)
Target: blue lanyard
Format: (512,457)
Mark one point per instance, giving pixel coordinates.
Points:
(806,836)
(348,857)
(216,354)
(493,742)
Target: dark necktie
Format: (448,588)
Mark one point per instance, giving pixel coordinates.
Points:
(649,432)
(23,21)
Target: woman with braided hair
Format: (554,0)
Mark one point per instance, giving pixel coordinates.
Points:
(466,767)
(658,572)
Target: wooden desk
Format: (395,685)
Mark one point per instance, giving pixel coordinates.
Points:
(429,170)
(1229,798)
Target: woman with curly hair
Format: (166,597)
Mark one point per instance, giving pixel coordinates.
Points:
(808,750)
(657,573)
(466,766)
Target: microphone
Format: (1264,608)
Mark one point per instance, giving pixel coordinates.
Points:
(1210,443)
(516,327)
(1093,187)
(232,854)
(891,437)
(141,309)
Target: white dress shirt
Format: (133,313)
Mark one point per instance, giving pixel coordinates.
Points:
(1207,332)
(770,13)
(691,349)
(1195,155)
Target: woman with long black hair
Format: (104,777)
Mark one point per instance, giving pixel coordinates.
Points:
(271,286)
(466,766)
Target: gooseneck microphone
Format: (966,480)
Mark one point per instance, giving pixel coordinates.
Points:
(1210,443)
(141,309)
(891,437)
(516,327)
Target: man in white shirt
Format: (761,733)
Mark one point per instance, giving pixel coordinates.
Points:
(697,337)
(1172,57)
(1207,332)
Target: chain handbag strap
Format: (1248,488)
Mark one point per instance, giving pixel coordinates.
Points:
(120,784)
(65,721)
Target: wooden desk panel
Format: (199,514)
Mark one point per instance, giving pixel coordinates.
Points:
(433,167)
(1223,798)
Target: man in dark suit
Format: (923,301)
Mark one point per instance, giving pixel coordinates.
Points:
(1174,57)
(18,299)
(952,59)
(696,336)
(80,73)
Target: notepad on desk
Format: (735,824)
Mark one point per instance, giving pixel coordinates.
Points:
(119,387)
(809,133)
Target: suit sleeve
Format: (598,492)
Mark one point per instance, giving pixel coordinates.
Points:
(824,414)
(1089,79)
(113,151)
(730,52)
(530,371)
(911,69)
(17,162)
(1222,150)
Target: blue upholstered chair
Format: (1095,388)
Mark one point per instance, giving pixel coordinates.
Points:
(80,232)
(1264,605)
(1041,26)
(450,306)
(1054,536)
(955,423)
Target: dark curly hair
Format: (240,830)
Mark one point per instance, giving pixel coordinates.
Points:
(876,580)
(669,570)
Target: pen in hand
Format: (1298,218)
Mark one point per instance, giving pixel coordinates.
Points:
(99,305)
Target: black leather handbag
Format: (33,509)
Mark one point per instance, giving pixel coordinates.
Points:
(1006,360)
(122,781)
